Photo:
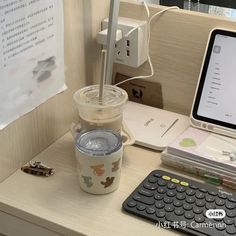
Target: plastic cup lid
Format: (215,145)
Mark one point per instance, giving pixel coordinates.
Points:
(89,96)
(98,142)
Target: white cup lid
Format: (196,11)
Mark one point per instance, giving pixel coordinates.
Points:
(89,96)
(98,142)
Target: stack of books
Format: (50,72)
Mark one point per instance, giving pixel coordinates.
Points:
(206,154)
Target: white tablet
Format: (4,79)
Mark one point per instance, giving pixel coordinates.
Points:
(214,105)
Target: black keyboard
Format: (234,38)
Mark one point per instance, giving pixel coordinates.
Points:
(183,204)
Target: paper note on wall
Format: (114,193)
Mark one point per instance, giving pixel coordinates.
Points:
(31,55)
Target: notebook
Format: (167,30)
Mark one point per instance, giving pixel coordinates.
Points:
(152,127)
(206,147)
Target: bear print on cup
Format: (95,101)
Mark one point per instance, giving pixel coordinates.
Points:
(108,182)
(98,169)
(115,165)
(88,181)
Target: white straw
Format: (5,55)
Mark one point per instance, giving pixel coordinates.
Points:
(103,74)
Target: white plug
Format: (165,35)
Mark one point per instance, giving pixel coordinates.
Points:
(102,36)
(131,49)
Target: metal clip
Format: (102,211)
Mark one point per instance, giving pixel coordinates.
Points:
(37,168)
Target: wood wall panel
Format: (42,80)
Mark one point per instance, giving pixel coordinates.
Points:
(178,41)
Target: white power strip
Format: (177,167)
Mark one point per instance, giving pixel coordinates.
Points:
(132,47)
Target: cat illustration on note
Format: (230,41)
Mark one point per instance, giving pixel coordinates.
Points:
(108,182)
(43,70)
(98,169)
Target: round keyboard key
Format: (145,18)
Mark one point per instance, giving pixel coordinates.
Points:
(157,175)
(200,195)
(231,214)
(160,214)
(200,203)
(137,197)
(190,192)
(170,193)
(178,203)
(203,190)
(180,196)
(170,220)
(222,195)
(213,193)
(184,183)
(221,226)
(176,181)
(150,186)
(228,221)
(217,219)
(168,200)
(169,208)
(197,210)
(131,203)
(145,192)
(153,180)
(187,207)
(145,200)
(180,189)
(179,211)
(189,215)
(150,210)
(161,182)
(161,190)
(220,202)
(193,187)
(190,199)
(230,205)
(141,207)
(231,230)
(199,218)
(210,205)
(232,199)
(159,196)
(171,186)
(209,198)
(166,177)
(159,205)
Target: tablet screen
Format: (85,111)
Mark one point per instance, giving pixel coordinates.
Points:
(215,100)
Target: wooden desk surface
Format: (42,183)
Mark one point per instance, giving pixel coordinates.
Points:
(57,202)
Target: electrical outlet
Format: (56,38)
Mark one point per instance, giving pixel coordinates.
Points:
(133,49)
(142,91)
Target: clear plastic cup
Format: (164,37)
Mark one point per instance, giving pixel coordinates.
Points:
(107,114)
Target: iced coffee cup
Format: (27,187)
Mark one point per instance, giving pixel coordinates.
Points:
(107,113)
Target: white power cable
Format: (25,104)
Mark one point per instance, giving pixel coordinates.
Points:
(148,41)
(162,11)
(141,76)
(147,9)
(148,15)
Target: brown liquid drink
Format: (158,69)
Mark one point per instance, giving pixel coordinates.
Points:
(113,124)
(96,114)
